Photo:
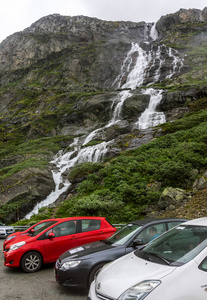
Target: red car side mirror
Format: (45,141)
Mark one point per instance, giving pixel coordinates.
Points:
(51,235)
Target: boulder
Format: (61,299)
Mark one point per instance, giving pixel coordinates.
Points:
(171,197)
(200,183)
(134,106)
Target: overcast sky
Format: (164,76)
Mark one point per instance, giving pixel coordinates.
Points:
(16,15)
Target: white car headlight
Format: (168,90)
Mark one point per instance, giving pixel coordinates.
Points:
(70,264)
(16,246)
(140,290)
(10,237)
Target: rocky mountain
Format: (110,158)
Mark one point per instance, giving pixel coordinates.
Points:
(79,89)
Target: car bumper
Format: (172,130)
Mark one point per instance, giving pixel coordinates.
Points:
(4,234)
(11,259)
(72,278)
(92,292)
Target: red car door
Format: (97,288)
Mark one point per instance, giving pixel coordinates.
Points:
(64,238)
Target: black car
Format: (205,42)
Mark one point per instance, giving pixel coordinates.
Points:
(78,266)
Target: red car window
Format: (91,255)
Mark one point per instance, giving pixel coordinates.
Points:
(40,225)
(89,225)
(43,228)
(65,228)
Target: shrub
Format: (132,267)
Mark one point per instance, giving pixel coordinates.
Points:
(83,169)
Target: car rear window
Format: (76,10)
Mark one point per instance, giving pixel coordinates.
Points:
(173,224)
(89,225)
(122,235)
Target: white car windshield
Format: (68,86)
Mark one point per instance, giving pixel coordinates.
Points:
(123,235)
(177,246)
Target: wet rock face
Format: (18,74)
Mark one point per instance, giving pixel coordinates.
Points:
(134,106)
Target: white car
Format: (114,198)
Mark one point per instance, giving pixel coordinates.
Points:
(171,267)
(6,230)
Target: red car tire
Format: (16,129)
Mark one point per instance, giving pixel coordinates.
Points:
(31,262)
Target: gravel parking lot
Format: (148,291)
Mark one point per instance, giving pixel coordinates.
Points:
(17,285)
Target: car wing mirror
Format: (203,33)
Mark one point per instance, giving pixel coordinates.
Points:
(138,242)
(32,230)
(51,235)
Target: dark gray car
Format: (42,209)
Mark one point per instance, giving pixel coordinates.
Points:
(78,266)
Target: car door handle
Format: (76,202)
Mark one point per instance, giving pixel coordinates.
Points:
(73,237)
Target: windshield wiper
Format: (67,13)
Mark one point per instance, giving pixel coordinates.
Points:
(106,242)
(158,256)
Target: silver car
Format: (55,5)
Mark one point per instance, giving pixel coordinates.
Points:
(6,230)
(173,266)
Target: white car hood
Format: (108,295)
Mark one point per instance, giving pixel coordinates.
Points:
(127,271)
(6,227)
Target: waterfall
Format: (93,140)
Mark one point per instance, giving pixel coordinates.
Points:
(64,162)
(153,32)
(177,63)
(121,97)
(60,163)
(136,75)
(135,69)
(151,118)
(157,60)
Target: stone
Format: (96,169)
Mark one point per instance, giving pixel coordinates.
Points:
(171,197)
(200,183)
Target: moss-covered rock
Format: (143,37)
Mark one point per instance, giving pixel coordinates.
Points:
(171,198)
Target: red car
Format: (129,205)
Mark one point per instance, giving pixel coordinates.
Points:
(31,229)
(45,245)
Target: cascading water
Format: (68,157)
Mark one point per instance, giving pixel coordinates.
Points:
(135,69)
(153,32)
(151,118)
(64,162)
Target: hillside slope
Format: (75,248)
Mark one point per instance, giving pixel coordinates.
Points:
(60,80)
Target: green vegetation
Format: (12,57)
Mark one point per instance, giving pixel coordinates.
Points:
(42,146)
(121,189)
(84,169)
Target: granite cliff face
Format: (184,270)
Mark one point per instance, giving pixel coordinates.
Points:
(89,50)
(60,77)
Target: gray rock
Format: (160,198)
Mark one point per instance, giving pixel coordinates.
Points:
(200,183)
(171,197)
(26,187)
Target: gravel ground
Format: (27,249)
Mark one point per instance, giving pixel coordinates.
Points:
(17,285)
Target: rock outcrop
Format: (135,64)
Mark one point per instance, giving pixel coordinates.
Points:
(182,17)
